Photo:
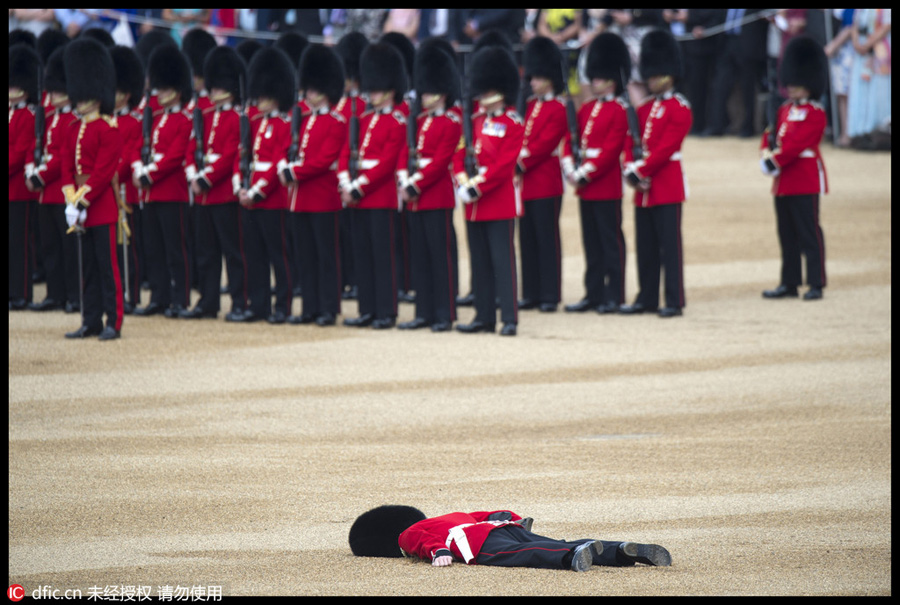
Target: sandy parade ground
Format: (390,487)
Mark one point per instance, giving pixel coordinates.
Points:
(750,437)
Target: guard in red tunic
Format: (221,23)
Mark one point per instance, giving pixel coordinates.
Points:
(264,199)
(24,64)
(492,201)
(603,128)
(373,191)
(498,538)
(542,185)
(315,202)
(164,189)
(658,179)
(129,91)
(58,251)
(427,190)
(798,169)
(210,166)
(88,183)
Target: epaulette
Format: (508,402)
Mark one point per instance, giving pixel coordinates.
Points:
(398,115)
(452,115)
(338,116)
(683,100)
(513,115)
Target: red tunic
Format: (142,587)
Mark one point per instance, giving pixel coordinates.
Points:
(796,153)
(603,128)
(131,132)
(21,150)
(56,146)
(323,137)
(437,141)
(271,136)
(545,127)
(462,533)
(382,138)
(95,149)
(665,121)
(170,136)
(221,138)
(498,140)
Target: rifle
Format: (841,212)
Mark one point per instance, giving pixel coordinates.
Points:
(354,138)
(147,130)
(771,102)
(296,126)
(471,162)
(411,135)
(39,119)
(199,152)
(633,124)
(571,116)
(246,145)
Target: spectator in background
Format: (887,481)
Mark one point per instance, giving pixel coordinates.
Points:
(434,23)
(369,21)
(305,21)
(700,53)
(404,21)
(74,20)
(840,54)
(183,19)
(869,97)
(472,22)
(632,24)
(35,20)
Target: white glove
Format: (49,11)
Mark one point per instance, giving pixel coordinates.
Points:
(768,167)
(71,215)
(464,193)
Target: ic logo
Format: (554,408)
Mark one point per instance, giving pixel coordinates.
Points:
(15,592)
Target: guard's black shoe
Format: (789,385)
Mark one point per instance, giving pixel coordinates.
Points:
(109,333)
(18,304)
(197,313)
(326,319)
(441,326)
(173,312)
(475,327)
(384,323)
(508,330)
(527,304)
(151,309)
(48,304)
(547,308)
(248,316)
(359,322)
(580,307)
(583,557)
(299,320)
(465,301)
(648,554)
(813,294)
(234,315)
(669,312)
(72,307)
(610,307)
(781,291)
(415,324)
(83,332)
(635,309)
(276,318)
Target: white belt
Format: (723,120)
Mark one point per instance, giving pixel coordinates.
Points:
(675,156)
(423,162)
(367,164)
(807,153)
(262,166)
(458,534)
(592,152)
(212,157)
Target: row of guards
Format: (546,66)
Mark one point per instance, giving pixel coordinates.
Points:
(333,168)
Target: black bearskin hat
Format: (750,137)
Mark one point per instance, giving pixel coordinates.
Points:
(271,75)
(375,533)
(90,74)
(381,68)
(493,37)
(247,48)
(168,68)
(55,72)
(149,41)
(49,40)
(293,44)
(350,48)
(660,55)
(196,44)
(24,63)
(608,59)
(436,73)
(129,73)
(100,35)
(493,68)
(224,68)
(804,64)
(321,69)
(407,50)
(543,59)
(22,36)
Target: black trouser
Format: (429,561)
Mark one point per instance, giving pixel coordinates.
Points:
(432,242)
(348,273)
(168,266)
(658,243)
(265,234)
(492,246)
(102,286)
(58,251)
(135,275)
(219,233)
(514,546)
(318,237)
(800,233)
(540,249)
(373,256)
(604,251)
(402,255)
(21,214)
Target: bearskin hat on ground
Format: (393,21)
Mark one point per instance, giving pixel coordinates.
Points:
(90,74)
(55,72)
(321,69)
(493,68)
(224,68)
(543,59)
(375,533)
(272,75)
(381,68)
(168,68)
(196,44)
(436,73)
(350,48)
(660,55)
(608,59)
(24,64)
(805,64)
(129,73)
(49,40)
